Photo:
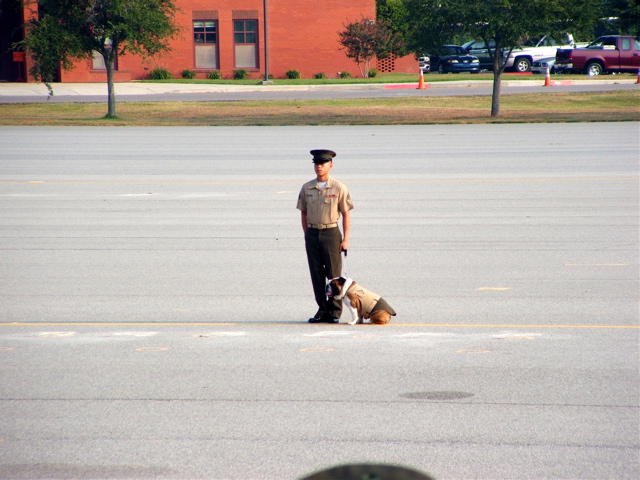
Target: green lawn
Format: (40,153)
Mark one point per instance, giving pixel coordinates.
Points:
(621,105)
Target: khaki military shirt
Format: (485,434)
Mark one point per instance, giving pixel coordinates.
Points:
(324,206)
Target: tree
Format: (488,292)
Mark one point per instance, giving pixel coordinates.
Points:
(628,14)
(365,39)
(64,31)
(505,22)
(394,14)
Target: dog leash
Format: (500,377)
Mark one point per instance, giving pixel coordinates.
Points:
(344,265)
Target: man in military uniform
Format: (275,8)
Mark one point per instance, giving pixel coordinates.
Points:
(321,202)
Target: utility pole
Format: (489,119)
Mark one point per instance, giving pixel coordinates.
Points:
(266,80)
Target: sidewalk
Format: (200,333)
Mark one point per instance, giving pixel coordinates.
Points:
(137,88)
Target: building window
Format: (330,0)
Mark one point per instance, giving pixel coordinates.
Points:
(205,39)
(97,62)
(245,38)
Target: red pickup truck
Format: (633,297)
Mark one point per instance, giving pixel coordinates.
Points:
(613,53)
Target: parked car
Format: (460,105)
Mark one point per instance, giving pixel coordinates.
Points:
(540,66)
(539,49)
(454,59)
(425,64)
(520,59)
(479,49)
(612,53)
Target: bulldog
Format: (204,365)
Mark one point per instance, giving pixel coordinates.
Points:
(361,302)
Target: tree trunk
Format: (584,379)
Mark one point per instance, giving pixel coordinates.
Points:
(362,65)
(111,93)
(495,100)
(497,82)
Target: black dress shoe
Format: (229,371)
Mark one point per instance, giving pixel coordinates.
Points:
(324,318)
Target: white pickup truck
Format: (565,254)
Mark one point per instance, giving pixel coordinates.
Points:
(520,59)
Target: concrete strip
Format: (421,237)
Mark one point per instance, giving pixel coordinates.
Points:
(137,88)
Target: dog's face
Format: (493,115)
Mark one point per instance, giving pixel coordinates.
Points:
(334,286)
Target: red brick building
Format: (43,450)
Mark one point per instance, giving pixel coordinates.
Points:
(228,35)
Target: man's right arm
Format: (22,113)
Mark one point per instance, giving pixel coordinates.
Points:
(303,210)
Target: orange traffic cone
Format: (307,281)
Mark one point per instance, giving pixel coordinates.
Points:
(421,85)
(638,80)
(547,79)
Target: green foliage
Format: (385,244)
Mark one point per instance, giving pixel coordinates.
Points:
(365,39)
(320,76)
(345,75)
(68,30)
(394,14)
(51,47)
(373,72)
(240,74)
(160,73)
(186,73)
(293,74)
(433,23)
(627,13)
(214,75)
(508,23)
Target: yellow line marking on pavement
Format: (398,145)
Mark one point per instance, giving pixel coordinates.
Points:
(6,349)
(152,349)
(471,350)
(452,325)
(275,182)
(317,349)
(301,324)
(116,324)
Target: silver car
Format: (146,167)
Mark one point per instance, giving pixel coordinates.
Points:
(425,64)
(540,66)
